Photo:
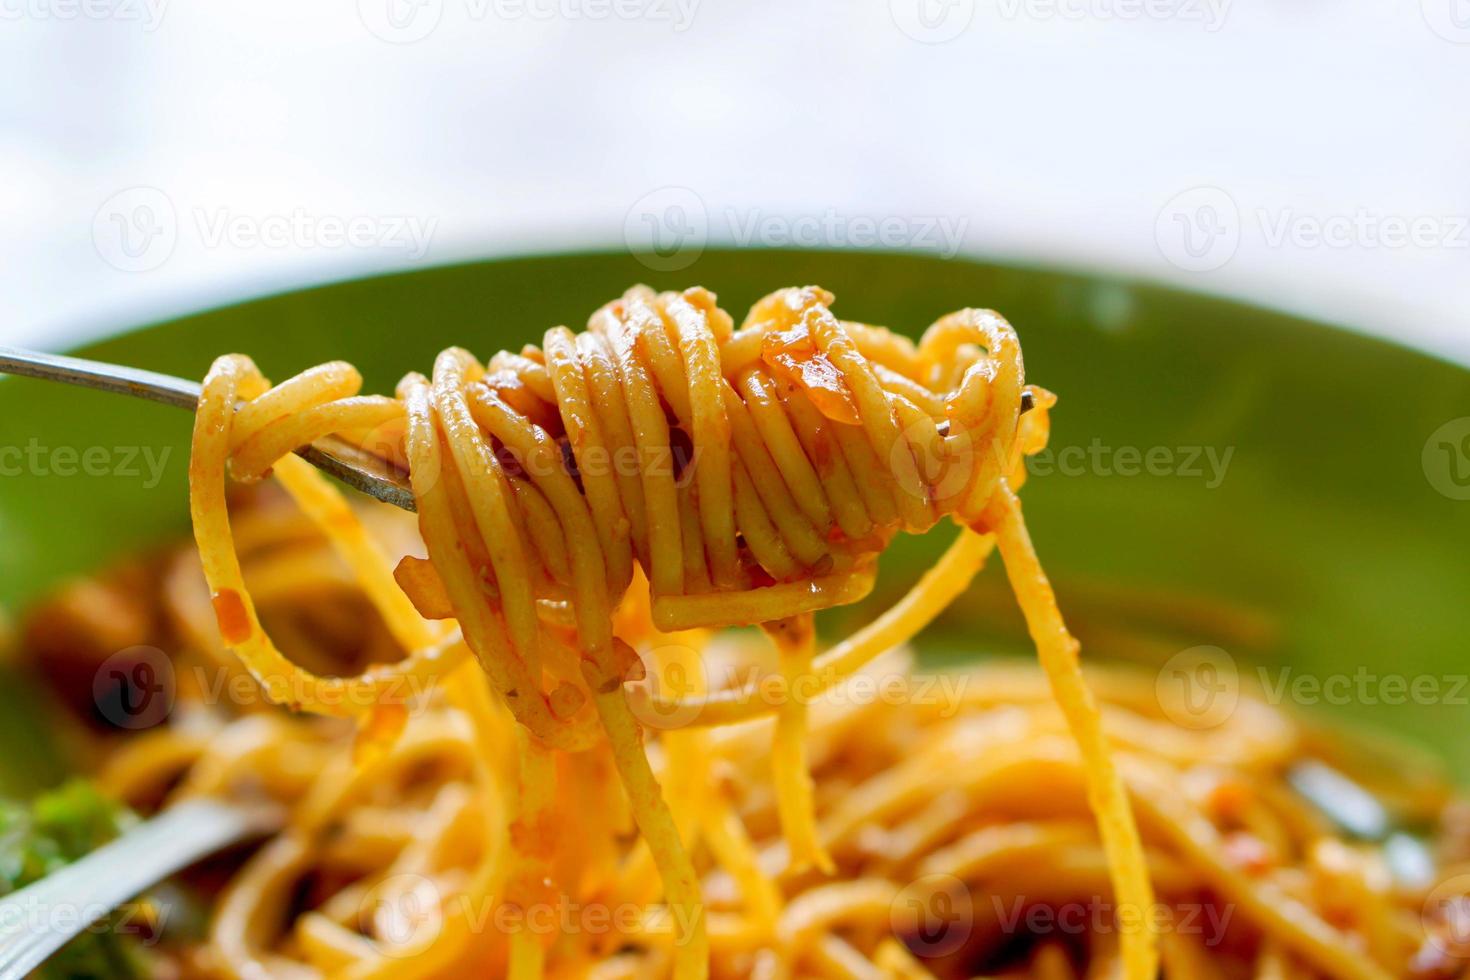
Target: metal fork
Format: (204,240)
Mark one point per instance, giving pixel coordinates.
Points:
(359,469)
(355,467)
(39,919)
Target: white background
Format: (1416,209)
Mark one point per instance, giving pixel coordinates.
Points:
(157,156)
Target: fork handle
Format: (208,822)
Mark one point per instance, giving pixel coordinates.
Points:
(40,918)
(103,377)
(354,466)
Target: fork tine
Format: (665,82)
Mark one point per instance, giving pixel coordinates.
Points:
(355,467)
(40,918)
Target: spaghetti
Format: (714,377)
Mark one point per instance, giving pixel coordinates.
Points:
(811,441)
(955,815)
(593,509)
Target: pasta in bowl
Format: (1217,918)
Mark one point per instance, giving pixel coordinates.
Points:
(583,589)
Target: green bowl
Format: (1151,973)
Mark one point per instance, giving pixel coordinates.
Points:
(1218,475)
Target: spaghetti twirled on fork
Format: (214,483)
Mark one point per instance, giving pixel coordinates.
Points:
(662,471)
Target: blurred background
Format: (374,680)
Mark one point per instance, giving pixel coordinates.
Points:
(159,156)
